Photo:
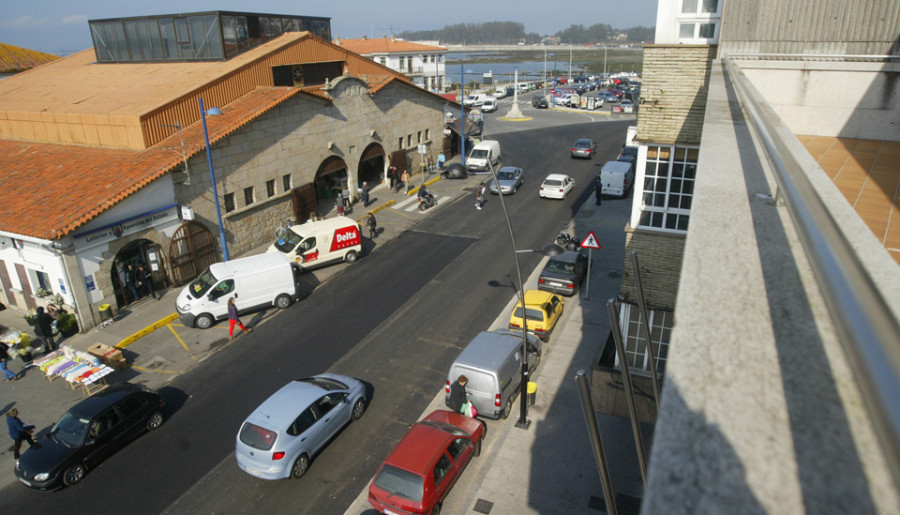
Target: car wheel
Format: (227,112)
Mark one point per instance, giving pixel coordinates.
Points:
(436,510)
(537,361)
(204,321)
(350,257)
(155,420)
(300,466)
(508,408)
(74,474)
(358,409)
(282,301)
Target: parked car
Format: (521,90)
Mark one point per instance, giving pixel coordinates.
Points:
(88,433)
(563,273)
(584,148)
(417,475)
(510,178)
(557,186)
(627,106)
(608,97)
(542,310)
(455,171)
(280,437)
(539,102)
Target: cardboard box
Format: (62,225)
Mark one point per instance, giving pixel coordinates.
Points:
(109,356)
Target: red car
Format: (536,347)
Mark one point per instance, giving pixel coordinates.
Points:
(419,472)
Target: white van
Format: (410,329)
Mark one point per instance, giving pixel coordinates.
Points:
(499,93)
(489,105)
(492,362)
(253,282)
(475,100)
(488,151)
(616,177)
(320,243)
(522,87)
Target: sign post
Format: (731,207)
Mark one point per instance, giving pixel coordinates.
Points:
(422,149)
(590,243)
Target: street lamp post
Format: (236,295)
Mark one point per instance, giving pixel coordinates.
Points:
(550,250)
(212,175)
(462,118)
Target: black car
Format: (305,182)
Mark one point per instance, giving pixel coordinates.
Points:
(563,273)
(88,433)
(539,101)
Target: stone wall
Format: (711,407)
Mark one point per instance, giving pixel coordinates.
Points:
(660,255)
(674,87)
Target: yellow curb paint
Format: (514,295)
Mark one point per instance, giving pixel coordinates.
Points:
(377,209)
(177,337)
(145,331)
(514,119)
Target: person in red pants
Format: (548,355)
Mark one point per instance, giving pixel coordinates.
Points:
(233,319)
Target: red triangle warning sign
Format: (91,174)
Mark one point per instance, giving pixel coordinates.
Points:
(590,241)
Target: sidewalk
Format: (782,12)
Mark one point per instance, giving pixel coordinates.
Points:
(157,347)
(549,467)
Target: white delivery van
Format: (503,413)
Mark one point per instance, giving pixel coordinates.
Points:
(499,93)
(616,177)
(475,100)
(320,243)
(488,151)
(253,282)
(489,105)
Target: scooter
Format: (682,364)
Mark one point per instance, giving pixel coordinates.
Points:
(567,241)
(427,201)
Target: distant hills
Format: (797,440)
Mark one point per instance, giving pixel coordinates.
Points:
(513,33)
(15,59)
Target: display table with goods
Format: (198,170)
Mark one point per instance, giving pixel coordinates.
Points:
(19,343)
(78,368)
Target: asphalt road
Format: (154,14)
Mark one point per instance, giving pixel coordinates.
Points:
(396,320)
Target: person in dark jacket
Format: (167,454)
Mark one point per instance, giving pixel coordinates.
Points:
(43,327)
(233,319)
(145,276)
(19,431)
(598,190)
(372,224)
(458,394)
(131,281)
(365,194)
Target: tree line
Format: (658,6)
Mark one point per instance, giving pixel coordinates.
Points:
(511,33)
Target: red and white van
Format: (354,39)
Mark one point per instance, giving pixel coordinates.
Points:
(321,243)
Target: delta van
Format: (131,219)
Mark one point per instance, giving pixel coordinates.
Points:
(253,282)
(321,243)
(484,155)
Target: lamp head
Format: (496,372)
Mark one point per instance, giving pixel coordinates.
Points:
(213,111)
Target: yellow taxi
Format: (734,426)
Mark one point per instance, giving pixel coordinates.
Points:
(543,309)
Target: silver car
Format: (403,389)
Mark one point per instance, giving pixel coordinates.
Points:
(510,178)
(281,436)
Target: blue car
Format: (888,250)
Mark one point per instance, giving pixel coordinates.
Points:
(608,97)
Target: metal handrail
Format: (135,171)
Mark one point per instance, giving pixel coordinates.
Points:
(816,57)
(866,326)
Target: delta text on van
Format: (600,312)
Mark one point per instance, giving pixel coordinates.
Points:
(321,243)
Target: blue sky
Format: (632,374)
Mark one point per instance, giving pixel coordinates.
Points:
(60,26)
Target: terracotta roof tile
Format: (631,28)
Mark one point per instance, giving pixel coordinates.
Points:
(49,190)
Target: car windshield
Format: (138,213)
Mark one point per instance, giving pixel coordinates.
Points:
(71,430)
(479,153)
(560,267)
(552,182)
(506,176)
(450,428)
(202,284)
(324,383)
(258,437)
(533,313)
(582,144)
(400,482)
(288,242)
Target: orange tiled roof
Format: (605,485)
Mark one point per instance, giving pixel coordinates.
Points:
(15,59)
(385,46)
(49,190)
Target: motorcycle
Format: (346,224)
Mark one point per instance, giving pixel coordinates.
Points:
(427,201)
(567,241)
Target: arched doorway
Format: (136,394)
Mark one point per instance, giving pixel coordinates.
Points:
(371,165)
(192,249)
(330,176)
(135,254)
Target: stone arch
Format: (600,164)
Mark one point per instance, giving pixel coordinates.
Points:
(330,176)
(372,164)
(135,253)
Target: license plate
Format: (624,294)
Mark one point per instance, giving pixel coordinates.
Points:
(26,483)
(551,283)
(389,512)
(250,470)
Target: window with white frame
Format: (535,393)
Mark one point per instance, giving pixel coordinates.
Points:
(661,323)
(668,189)
(699,20)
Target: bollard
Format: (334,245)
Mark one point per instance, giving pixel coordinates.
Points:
(532,392)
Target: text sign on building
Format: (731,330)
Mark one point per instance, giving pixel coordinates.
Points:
(125,227)
(422,149)
(590,241)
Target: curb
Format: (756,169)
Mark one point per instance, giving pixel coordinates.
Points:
(377,209)
(145,331)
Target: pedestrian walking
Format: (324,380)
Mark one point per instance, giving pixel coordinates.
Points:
(598,190)
(130,282)
(43,327)
(372,224)
(145,276)
(365,194)
(345,195)
(8,375)
(458,394)
(123,281)
(440,161)
(479,196)
(405,180)
(233,319)
(392,176)
(18,431)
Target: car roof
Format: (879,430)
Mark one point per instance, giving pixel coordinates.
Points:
(422,443)
(583,140)
(296,395)
(536,297)
(557,176)
(569,256)
(104,398)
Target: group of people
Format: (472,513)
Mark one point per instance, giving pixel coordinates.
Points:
(43,328)
(136,283)
(398,180)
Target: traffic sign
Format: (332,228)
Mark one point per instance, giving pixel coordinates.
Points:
(590,241)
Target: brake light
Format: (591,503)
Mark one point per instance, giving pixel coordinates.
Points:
(277,456)
(497,400)
(541,281)
(513,324)
(570,285)
(447,387)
